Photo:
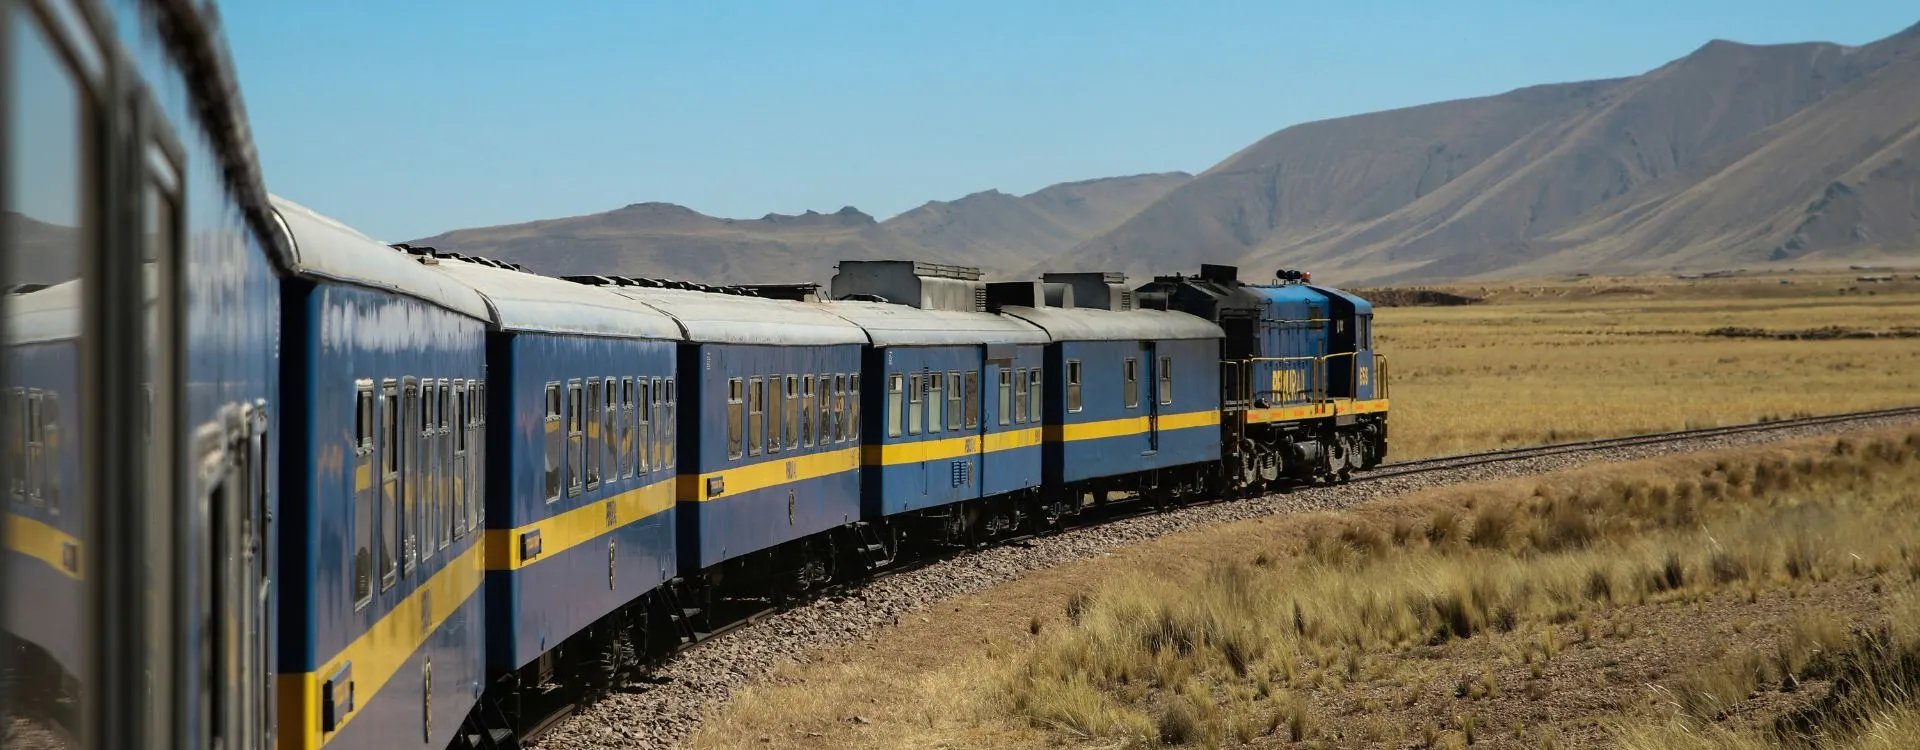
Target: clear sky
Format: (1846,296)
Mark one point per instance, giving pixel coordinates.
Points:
(410,118)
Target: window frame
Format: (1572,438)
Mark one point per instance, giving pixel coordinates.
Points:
(1165,376)
(756,415)
(736,417)
(629,429)
(392,482)
(576,427)
(936,401)
(806,411)
(853,406)
(555,436)
(840,407)
(364,428)
(956,402)
(790,420)
(972,399)
(1130,382)
(1034,383)
(896,404)
(590,418)
(1074,402)
(1004,409)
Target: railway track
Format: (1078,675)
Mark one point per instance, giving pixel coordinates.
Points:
(686,683)
(1463,460)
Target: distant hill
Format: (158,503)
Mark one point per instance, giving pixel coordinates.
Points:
(1733,154)
(999,232)
(1003,232)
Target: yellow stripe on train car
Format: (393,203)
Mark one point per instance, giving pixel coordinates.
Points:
(376,655)
(46,543)
(1124,426)
(955,447)
(562,532)
(771,472)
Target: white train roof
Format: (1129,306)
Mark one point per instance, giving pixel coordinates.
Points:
(45,315)
(1094,324)
(327,249)
(717,318)
(902,325)
(524,301)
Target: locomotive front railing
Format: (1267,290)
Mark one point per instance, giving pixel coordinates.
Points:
(1295,380)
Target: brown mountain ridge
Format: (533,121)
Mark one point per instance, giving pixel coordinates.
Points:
(999,232)
(1733,155)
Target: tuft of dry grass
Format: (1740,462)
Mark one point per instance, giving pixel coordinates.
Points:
(1517,564)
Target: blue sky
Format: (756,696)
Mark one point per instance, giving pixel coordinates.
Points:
(408,119)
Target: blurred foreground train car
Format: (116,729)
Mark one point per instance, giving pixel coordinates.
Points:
(140,386)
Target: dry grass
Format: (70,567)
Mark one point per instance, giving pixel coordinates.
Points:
(1526,613)
(1609,357)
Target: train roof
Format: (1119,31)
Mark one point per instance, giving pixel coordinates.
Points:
(327,249)
(44,315)
(1360,304)
(889,324)
(525,301)
(1094,324)
(713,318)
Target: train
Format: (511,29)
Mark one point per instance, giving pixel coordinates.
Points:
(275,483)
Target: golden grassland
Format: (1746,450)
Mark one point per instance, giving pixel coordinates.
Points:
(1760,598)
(1603,357)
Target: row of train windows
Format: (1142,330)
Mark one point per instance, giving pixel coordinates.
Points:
(425,481)
(1130,387)
(927,394)
(32,447)
(791,412)
(612,429)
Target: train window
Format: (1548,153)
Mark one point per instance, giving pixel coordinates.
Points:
(610,432)
(973,400)
(461,487)
(1033,395)
(576,439)
(756,403)
(629,429)
(1019,395)
(853,407)
(775,408)
(733,417)
(17,442)
(896,416)
(823,410)
(1166,380)
(662,422)
(806,410)
(1073,385)
(363,490)
(1366,332)
(50,437)
(1006,396)
(670,406)
(591,418)
(792,419)
(446,463)
(643,423)
(390,488)
(936,398)
(427,500)
(954,408)
(409,474)
(476,466)
(1131,389)
(36,449)
(839,408)
(555,453)
(916,395)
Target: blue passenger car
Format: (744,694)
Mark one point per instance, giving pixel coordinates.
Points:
(1131,392)
(383,553)
(581,493)
(955,408)
(768,450)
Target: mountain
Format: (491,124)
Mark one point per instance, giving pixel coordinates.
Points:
(1003,232)
(1733,154)
(998,232)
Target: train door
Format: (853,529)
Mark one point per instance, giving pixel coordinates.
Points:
(1151,364)
(229,517)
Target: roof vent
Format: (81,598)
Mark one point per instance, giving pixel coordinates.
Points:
(1100,290)
(929,286)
